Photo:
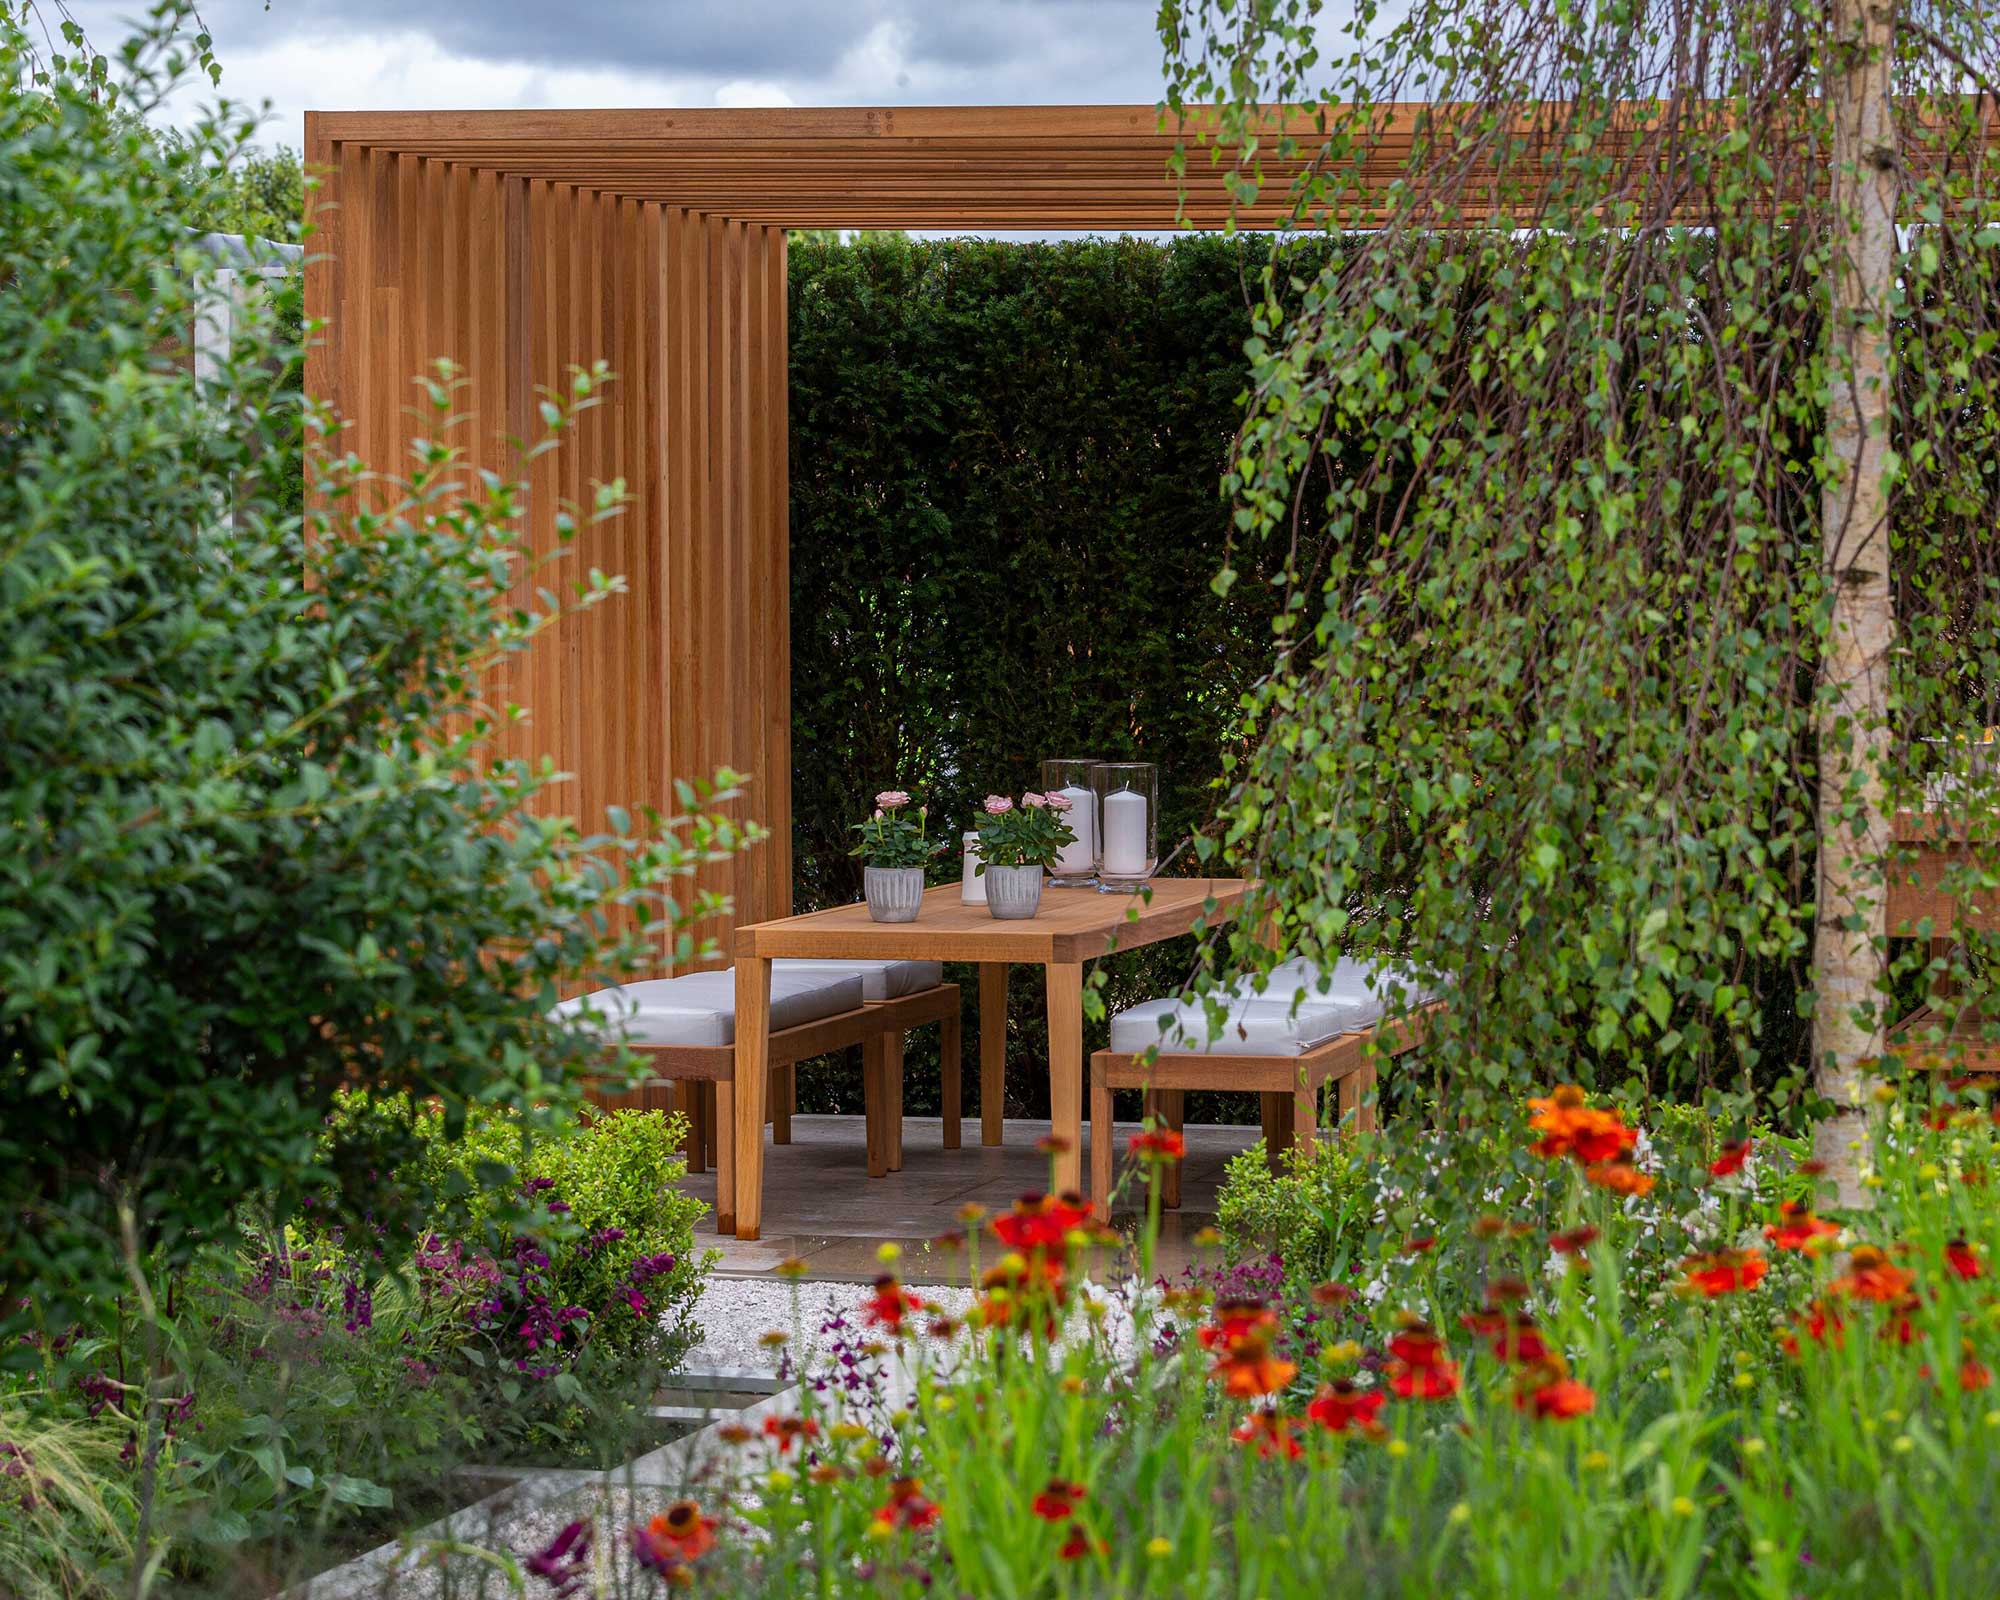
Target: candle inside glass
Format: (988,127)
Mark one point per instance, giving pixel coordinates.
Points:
(1125,835)
(1079,858)
(971,886)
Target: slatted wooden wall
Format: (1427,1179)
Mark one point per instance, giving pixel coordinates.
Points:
(518,280)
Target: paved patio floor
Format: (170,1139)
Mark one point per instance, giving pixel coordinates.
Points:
(821,1206)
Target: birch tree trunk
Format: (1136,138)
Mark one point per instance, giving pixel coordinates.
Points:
(1849,1026)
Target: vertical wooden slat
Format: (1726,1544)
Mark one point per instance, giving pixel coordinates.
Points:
(777,702)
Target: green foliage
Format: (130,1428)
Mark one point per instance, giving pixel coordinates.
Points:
(257,847)
(619,1172)
(1549,710)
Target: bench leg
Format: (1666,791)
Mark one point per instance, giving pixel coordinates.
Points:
(784,1083)
(992,1049)
(1275,1112)
(951,1048)
(873,1104)
(687,1101)
(1101,1137)
(750,1075)
(1305,1115)
(710,1105)
(1357,1098)
(719,1107)
(892,1080)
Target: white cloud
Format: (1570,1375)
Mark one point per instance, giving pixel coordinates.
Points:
(742,93)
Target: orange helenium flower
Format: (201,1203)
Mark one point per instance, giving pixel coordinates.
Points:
(1080,1543)
(1720,1272)
(1797,1228)
(1240,1339)
(1569,1127)
(1871,1275)
(683,1530)
(1574,1242)
(1620,1177)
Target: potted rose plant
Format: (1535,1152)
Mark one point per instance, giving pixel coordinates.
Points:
(1016,845)
(894,849)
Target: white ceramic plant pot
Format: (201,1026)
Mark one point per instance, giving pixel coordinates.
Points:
(895,894)
(1013,893)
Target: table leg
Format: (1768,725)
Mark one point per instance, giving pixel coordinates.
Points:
(1065,988)
(951,1047)
(992,1049)
(753,1071)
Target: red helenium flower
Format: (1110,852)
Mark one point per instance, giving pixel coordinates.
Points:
(1720,1272)
(908,1507)
(1962,1259)
(1272,1434)
(1058,1500)
(889,1305)
(1340,1406)
(1730,1162)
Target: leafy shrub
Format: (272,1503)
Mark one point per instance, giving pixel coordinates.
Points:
(257,848)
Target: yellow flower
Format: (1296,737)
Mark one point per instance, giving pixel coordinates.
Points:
(881,1528)
(1683,1506)
(1904,1444)
(1746,1380)
(889,1253)
(1345,1351)
(1159,1548)
(1596,1460)
(778,1480)
(1459,1514)
(1399,1448)
(944,1405)
(850,1431)
(1753,1447)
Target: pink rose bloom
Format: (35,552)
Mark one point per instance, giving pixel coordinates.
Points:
(1055,801)
(996,804)
(892,799)
(1033,799)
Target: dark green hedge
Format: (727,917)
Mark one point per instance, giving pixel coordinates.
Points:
(1005,519)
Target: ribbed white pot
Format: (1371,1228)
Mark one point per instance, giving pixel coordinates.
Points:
(1013,893)
(895,894)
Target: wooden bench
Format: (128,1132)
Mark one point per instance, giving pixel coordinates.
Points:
(699,1081)
(1287,1082)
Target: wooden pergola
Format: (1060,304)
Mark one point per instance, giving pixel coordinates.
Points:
(520,244)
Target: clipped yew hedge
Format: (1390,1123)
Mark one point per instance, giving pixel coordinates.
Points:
(1006,518)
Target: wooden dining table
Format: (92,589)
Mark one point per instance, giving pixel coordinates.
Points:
(1072,927)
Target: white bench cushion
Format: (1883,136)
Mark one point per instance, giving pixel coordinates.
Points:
(1282,1021)
(880,980)
(699,1008)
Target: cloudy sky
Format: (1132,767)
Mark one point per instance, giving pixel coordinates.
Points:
(420,54)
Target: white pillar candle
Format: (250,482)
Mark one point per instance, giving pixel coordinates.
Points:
(1125,835)
(971,886)
(1079,859)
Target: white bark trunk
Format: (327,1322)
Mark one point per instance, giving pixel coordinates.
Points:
(1848,948)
